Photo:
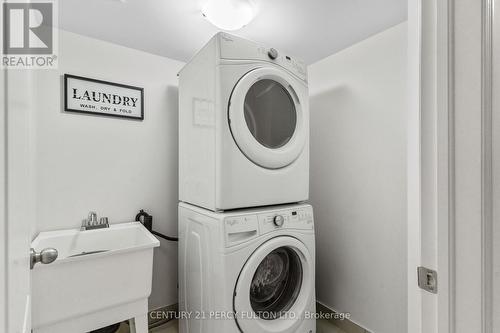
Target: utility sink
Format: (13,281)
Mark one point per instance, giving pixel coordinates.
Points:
(99,278)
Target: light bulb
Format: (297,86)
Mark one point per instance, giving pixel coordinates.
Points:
(229,14)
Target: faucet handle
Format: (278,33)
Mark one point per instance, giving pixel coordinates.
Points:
(104,221)
(92,220)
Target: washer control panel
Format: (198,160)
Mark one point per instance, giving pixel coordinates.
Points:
(241,228)
(301,218)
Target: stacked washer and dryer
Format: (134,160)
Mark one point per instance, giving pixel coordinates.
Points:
(246,239)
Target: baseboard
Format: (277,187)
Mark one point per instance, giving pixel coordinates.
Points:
(161,315)
(340,320)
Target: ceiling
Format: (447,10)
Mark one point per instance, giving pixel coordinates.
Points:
(308,29)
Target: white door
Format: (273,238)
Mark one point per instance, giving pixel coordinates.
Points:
(273,290)
(268,117)
(17,177)
(452,159)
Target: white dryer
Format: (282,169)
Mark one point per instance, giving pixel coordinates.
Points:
(243,126)
(249,271)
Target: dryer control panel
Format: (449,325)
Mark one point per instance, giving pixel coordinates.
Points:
(241,228)
(236,48)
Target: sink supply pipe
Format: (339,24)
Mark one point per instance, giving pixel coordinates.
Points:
(147,220)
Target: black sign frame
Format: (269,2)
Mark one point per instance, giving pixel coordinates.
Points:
(66,108)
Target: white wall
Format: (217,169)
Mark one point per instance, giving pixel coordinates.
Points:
(111,165)
(358,180)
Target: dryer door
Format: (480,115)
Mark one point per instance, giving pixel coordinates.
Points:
(274,287)
(268,117)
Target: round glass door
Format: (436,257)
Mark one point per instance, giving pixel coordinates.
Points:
(276,283)
(274,287)
(270,113)
(268,117)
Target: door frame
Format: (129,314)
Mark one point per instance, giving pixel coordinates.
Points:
(487,155)
(3,201)
(435,226)
(430,163)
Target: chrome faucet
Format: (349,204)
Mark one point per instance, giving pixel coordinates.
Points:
(91,222)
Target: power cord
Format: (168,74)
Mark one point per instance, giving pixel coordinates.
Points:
(169,238)
(147,221)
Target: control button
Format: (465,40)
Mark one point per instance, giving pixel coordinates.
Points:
(272,53)
(279,220)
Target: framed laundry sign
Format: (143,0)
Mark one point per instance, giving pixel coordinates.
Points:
(85,95)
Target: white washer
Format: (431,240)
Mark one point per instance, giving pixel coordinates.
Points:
(243,126)
(249,271)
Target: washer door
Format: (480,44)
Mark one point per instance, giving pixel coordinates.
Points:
(274,287)
(267,118)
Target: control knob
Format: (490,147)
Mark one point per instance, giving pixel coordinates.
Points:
(279,220)
(272,53)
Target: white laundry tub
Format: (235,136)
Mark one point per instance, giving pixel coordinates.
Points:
(100,277)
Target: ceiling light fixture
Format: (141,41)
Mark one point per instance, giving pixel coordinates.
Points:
(229,14)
